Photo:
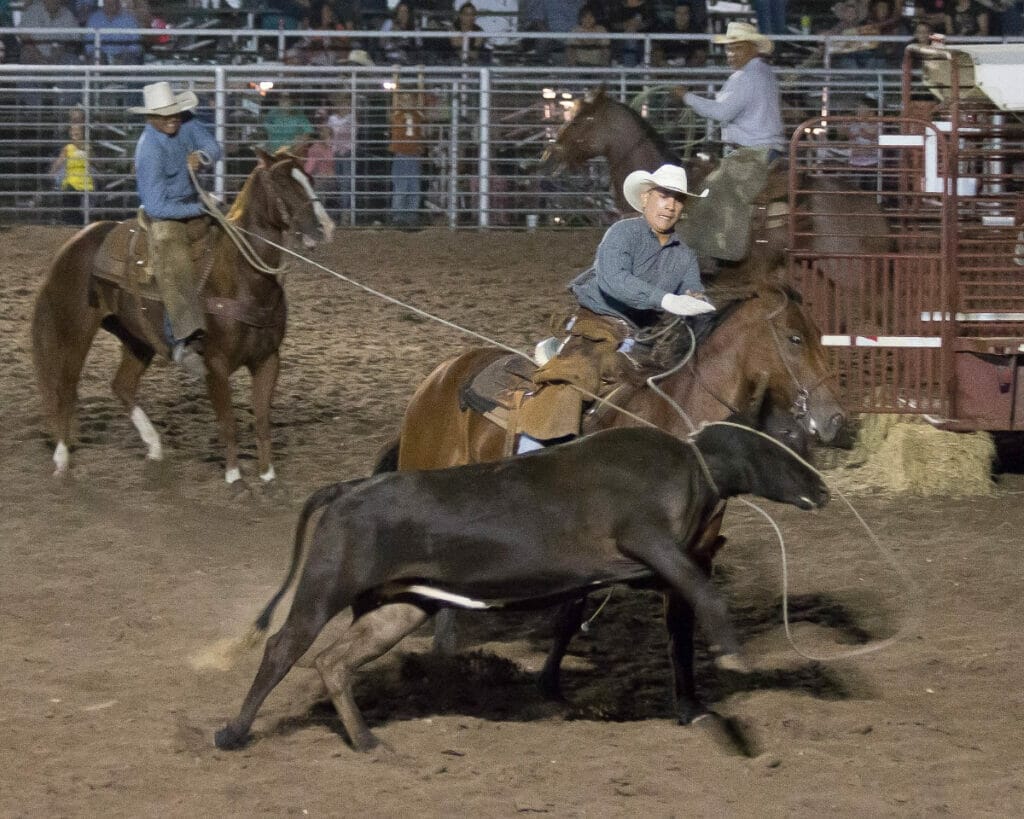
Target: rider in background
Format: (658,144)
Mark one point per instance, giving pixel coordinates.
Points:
(748,105)
(172,144)
(641,270)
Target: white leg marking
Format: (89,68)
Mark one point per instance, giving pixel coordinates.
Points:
(150,437)
(269,475)
(61,459)
(233,475)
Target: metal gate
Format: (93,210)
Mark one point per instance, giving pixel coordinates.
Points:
(907,242)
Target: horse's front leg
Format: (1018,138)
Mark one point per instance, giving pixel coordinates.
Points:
(126,387)
(264,380)
(219,389)
(566,623)
(679,622)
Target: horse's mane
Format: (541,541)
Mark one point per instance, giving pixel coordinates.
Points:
(676,342)
(649,131)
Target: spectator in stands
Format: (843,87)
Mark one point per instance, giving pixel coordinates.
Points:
(326,50)
(1006,17)
(401,50)
(680,52)
(407,149)
(851,53)
(285,14)
(552,16)
(967,18)
(286,125)
(72,174)
(883,19)
(632,17)
(115,49)
(341,121)
(594,51)
(771,16)
(473,49)
(58,49)
(319,162)
(923,33)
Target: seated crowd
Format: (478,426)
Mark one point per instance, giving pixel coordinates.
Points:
(446,32)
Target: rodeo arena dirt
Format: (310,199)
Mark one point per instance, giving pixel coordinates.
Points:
(122,580)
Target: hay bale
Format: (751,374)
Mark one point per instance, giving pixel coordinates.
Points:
(905,454)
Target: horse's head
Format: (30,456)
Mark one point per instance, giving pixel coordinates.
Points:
(784,361)
(288,199)
(762,355)
(581,138)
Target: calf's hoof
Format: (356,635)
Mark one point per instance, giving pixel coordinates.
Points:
(731,662)
(230,739)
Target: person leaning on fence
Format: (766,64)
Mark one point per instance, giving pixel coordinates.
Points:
(748,105)
(172,144)
(641,271)
(72,174)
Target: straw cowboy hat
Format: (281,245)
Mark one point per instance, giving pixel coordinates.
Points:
(359,57)
(739,32)
(159,101)
(667,177)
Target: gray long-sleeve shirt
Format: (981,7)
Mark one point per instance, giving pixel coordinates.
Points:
(632,272)
(747,106)
(161,169)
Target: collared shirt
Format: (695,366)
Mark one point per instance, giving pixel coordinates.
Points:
(747,106)
(633,271)
(161,169)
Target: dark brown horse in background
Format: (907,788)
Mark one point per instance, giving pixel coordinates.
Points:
(245,307)
(761,350)
(841,221)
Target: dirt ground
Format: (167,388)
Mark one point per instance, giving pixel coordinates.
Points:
(116,580)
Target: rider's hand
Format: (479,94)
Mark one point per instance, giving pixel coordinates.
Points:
(195,161)
(680,91)
(685,305)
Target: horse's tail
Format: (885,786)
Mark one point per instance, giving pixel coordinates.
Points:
(317,501)
(63,325)
(387,457)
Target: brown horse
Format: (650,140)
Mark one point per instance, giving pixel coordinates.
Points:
(761,351)
(841,222)
(245,306)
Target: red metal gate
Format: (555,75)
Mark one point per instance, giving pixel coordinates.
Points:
(907,243)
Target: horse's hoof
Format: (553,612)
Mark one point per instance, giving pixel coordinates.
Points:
(366,742)
(550,690)
(230,739)
(692,713)
(732,662)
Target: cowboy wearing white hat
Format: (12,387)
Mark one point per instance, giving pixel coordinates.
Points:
(748,105)
(641,270)
(172,144)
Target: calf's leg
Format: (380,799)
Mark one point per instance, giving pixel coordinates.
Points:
(566,623)
(305,620)
(368,638)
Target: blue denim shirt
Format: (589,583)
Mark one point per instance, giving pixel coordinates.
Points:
(633,271)
(161,169)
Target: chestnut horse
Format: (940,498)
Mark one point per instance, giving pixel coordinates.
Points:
(245,307)
(759,351)
(841,222)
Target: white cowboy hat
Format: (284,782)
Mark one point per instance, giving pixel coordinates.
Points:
(159,101)
(359,57)
(667,177)
(740,32)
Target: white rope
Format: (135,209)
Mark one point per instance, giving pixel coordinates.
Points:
(886,553)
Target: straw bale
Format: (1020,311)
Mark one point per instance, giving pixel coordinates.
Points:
(905,454)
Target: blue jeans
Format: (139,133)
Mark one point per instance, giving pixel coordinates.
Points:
(405,189)
(771,16)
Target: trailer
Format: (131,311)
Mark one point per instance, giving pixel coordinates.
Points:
(929,320)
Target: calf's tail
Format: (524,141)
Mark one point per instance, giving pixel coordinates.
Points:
(317,501)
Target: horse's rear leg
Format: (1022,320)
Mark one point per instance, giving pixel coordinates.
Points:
(126,387)
(264,380)
(368,638)
(61,339)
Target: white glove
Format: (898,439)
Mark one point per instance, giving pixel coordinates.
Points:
(685,305)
